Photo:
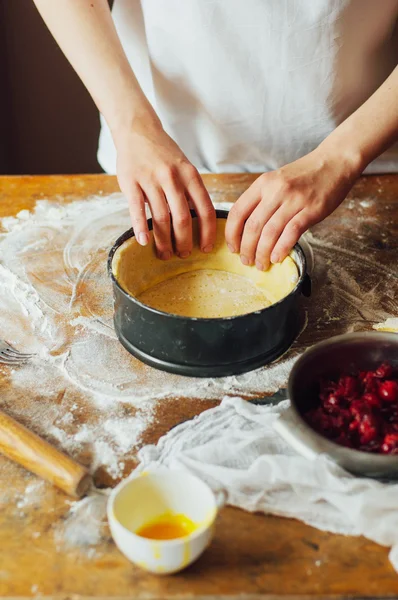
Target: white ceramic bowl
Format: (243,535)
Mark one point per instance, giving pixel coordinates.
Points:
(142,498)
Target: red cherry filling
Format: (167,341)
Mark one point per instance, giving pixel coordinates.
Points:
(388,390)
(384,371)
(359,411)
(390,444)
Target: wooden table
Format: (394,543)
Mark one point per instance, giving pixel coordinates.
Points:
(252,555)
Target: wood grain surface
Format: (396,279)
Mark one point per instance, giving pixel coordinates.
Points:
(252,556)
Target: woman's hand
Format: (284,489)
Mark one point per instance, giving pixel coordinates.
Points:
(152,168)
(269,218)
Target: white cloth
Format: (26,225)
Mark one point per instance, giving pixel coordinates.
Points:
(235,447)
(250,85)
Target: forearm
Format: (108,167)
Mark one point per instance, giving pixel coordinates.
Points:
(269,218)
(86,34)
(370,130)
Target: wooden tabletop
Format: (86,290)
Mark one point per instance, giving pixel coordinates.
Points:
(252,556)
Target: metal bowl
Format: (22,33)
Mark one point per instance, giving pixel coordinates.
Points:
(213,347)
(345,353)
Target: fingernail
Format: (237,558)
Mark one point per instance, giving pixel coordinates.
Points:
(143,239)
(244,261)
(165,255)
(259,266)
(231,248)
(274,258)
(184,254)
(208,248)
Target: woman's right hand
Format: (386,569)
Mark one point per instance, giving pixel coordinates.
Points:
(152,168)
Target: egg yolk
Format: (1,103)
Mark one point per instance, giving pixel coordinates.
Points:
(167,527)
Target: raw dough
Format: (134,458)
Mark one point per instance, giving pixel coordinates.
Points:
(206,293)
(203,285)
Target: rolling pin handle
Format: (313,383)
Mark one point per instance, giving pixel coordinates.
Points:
(39,457)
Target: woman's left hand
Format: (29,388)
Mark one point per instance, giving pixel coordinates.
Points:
(269,218)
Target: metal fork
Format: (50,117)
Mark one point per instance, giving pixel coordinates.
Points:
(10,356)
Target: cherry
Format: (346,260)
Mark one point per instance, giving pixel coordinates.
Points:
(357,408)
(368,428)
(384,371)
(332,402)
(390,443)
(371,399)
(340,420)
(348,386)
(369,381)
(388,390)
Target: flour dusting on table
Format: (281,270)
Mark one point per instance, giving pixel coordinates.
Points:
(84,525)
(83,391)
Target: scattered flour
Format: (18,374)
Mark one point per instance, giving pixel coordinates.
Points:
(82,390)
(85,524)
(367,202)
(31,495)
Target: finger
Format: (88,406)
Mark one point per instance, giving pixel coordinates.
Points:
(238,214)
(253,230)
(292,232)
(200,199)
(180,218)
(161,222)
(270,235)
(136,201)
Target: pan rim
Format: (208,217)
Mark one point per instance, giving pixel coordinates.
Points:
(221,214)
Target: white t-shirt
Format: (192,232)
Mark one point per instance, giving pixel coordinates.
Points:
(250,85)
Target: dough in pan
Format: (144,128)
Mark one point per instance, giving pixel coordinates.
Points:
(203,285)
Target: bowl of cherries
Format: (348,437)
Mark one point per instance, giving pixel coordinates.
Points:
(344,403)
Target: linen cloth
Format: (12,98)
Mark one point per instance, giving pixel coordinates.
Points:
(234,447)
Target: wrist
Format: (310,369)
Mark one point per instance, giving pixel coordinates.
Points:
(343,147)
(144,122)
(127,110)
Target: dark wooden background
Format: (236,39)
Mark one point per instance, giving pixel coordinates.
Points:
(48,122)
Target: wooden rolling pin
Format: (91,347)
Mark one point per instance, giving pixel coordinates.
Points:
(39,457)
